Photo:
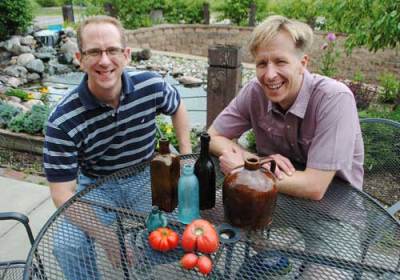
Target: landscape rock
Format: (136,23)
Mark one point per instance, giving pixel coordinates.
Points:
(28,41)
(25,58)
(36,65)
(16,71)
(189,81)
(69,48)
(30,103)
(31,77)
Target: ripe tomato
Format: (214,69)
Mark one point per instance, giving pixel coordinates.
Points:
(200,235)
(163,239)
(204,264)
(189,260)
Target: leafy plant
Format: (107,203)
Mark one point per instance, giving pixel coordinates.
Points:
(251,141)
(391,87)
(330,56)
(32,122)
(23,95)
(167,131)
(177,11)
(15,17)
(238,10)
(7,112)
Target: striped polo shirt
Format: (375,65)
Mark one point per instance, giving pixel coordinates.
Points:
(83,133)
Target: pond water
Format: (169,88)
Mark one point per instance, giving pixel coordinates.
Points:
(195,98)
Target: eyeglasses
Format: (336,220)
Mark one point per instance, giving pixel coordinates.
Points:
(97,53)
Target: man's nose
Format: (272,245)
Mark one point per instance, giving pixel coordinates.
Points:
(269,72)
(104,59)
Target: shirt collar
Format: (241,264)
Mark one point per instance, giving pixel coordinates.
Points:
(299,106)
(90,102)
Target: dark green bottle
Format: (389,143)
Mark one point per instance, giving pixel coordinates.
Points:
(205,172)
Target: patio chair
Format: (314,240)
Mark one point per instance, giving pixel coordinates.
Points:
(10,270)
(382,161)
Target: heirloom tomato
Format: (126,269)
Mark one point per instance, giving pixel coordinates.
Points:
(200,235)
(163,239)
(189,260)
(204,264)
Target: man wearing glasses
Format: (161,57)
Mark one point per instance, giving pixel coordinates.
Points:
(105,124)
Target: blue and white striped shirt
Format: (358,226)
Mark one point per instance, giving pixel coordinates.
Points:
(84,134)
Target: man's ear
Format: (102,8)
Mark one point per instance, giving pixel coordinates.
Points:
(78,56)
(304,62)
(128,54)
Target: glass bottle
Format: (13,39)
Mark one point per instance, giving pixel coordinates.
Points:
(155,219)
(188,196)
(164,172)
(205,172)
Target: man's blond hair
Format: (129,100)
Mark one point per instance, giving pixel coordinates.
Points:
(301,33)
(97,20)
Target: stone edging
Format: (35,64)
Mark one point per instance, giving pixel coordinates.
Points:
(21,142)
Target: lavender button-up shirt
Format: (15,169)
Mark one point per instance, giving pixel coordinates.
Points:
(321,129)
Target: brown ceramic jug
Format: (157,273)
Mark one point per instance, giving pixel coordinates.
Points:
(249,195)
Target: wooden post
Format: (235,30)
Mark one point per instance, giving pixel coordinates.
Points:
(109,9)
(206,12)
(68,13)
(252,14)
(224,78)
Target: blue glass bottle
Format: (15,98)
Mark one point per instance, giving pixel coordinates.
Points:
(155,219)
(188,196)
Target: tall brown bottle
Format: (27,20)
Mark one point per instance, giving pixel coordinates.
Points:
(205,172)
(165,171)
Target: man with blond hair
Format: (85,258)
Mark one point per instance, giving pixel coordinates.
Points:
(298,118)
(105,124)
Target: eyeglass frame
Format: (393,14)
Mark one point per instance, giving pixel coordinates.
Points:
(100,52)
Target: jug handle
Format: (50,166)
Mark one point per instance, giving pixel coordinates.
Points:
(264,160)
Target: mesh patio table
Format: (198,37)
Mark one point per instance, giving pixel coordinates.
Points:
(346,235)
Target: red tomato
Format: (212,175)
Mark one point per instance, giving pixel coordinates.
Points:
(204,264)
(200,235)
(163,239)
(189,260)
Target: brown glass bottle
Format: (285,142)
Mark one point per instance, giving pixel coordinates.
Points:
(249,195)
(164,171)
(205,173)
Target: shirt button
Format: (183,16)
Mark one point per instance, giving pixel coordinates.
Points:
(291,144)
(288,126)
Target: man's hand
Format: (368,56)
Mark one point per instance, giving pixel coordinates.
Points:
(230,159)
(110,243)
(283,164)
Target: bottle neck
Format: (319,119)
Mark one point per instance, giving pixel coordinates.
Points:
(164,146)
(205,145)
(187,169)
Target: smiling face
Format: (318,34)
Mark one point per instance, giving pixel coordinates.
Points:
(280,68)
(104,71)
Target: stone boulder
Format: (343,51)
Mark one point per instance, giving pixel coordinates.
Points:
(35,65)
(25,58)
(16,71)
(68,49)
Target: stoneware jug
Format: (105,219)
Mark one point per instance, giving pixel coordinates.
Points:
(249,195)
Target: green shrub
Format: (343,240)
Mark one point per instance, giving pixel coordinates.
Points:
(32,122)
(134,14)
(7,112)
(177,11)
(251,141)
(47,3)
(238,10)
(15,17)
(391,87)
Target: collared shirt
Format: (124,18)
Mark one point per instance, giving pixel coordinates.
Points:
(320,130)
(83,133)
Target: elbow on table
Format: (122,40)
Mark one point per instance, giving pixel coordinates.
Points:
(317,192)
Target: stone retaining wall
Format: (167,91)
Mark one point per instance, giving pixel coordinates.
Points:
(196,38)
(189,38)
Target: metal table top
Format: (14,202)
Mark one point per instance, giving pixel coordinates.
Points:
(346,235)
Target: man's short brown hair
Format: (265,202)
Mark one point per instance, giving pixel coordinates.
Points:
(100,19)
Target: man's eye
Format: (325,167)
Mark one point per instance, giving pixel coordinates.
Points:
(261,64)
(94,52)
(113,51)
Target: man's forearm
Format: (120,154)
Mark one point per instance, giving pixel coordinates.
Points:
(180,121)
(310,184)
